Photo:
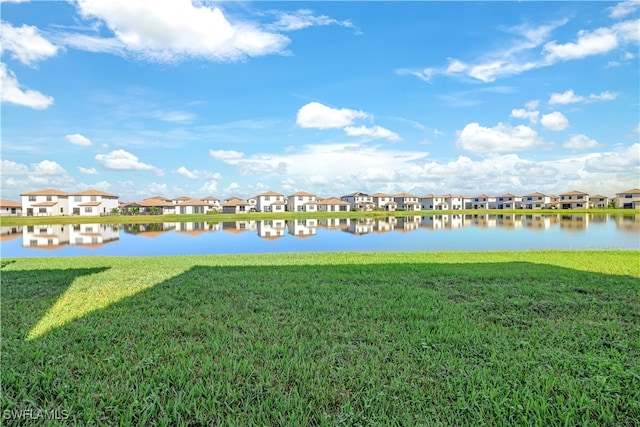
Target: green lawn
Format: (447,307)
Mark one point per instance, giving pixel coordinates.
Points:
(497,338)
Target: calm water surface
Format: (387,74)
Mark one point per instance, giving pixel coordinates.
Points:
(416,233)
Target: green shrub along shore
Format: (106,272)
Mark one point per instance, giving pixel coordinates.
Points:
(451,338)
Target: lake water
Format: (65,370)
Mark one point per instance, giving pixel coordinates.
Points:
(415,233)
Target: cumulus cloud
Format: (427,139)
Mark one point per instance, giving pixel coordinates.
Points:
(44,174)
(120,160)
(319,116)
(78,139)
(209,187)
(88,171)
(626,160)
(197,174)
(26,44)
(624,8)
(173,31)
(580,142)
(374,132)
(555,121)
(225,154)
(13,93)
(569,97)
(500,138)
(521,113)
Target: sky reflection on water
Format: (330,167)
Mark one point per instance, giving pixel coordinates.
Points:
(415,233)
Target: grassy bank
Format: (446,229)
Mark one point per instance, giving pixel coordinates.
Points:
(256,216)
(518,338)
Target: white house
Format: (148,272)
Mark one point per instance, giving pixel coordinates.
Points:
(433,202)
(384,201)
(333,204)
(92,203)
(10,208)
(406,201)
(598,201)
(235,205)
(574,200)
(360,201)
(509,201)
(45,203)
(213,202)
(149,205)
(629,199)
(454,202)
(484,201)
(192,206)
(302,201)
(270,201)
(536,201)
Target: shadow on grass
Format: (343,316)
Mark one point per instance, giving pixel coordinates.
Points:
(335,344)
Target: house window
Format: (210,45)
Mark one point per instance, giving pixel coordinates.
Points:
(87,210)
(33,243)
(300,198)
(32,198)
(49,198)
(88,230)
(94,198)
(77,198)
(42,210)
(267,198)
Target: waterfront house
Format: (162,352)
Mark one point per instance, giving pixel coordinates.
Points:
(45,203)
(453,202)
(384,201)
(235,205)
(574,200)
(92,203)
(509,201)
(10,208)
(302,201)
(180,199)
(484,201)
(536,201)
(333,204)
(192,206)
(433,202)
(213,202)
(598,201)
(359,201)
(407,201)
(629,199)
(270,201)
(156,204)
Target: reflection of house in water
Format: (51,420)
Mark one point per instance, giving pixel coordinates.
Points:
(302,227)
(484,221)
(149,230)
(598,218)
(237,227)
(10,233)
(335,223)
(194,228)
(628,223)
(271,229)
(539,222)
(361,226)
(56,236)
(408,223)
(509,220)
(574,222)
(385,225)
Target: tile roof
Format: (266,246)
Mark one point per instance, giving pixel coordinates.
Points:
(93,193)
(302,193)
(47,192)
(9,204)
(41,204)
(631,191)
(333,201)
(89,204)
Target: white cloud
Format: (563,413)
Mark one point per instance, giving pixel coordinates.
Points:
(626,161)
(78,139)
(13,168)
(318,116)
(598,41)
(13,94)
(374,132)
(175,30)
(197,174)
(88,171)
(500,138)
(623,8)
(17,177)
(225,154)
(604,96)
(555,121)
(532,105)
(568,97)
(120,160)
(580,142)
(292,21)
(48,167)
(521,113)
(209,187)
(26,44)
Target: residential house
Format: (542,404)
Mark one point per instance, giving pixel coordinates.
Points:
(151,205)
(453,202)
(180,199)
(45,203)
(302,201)
(92,203)
(359,201)
(333,204)
(407,201)
(235,205)
(509,201)
(629,199)
(484,201)
(213,202)
(384,201)
(270,201)
(192,206)
(536,201)
(574,200)
(599,202)
(10,208)
(433,202)
(467,202)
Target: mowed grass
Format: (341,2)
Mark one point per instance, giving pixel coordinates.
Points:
(520,338)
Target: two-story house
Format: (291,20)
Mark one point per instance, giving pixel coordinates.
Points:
(407,201)
(536,201)
(574,200)
(509,201)
(384,201)
(629,199)
(360,201)
(92,203)
(302,201)
(270,201)
(45,203)
(484,201)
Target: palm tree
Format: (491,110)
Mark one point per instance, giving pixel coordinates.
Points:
(135,210)
(154,210)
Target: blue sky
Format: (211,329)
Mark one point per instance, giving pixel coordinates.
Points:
(144,98)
